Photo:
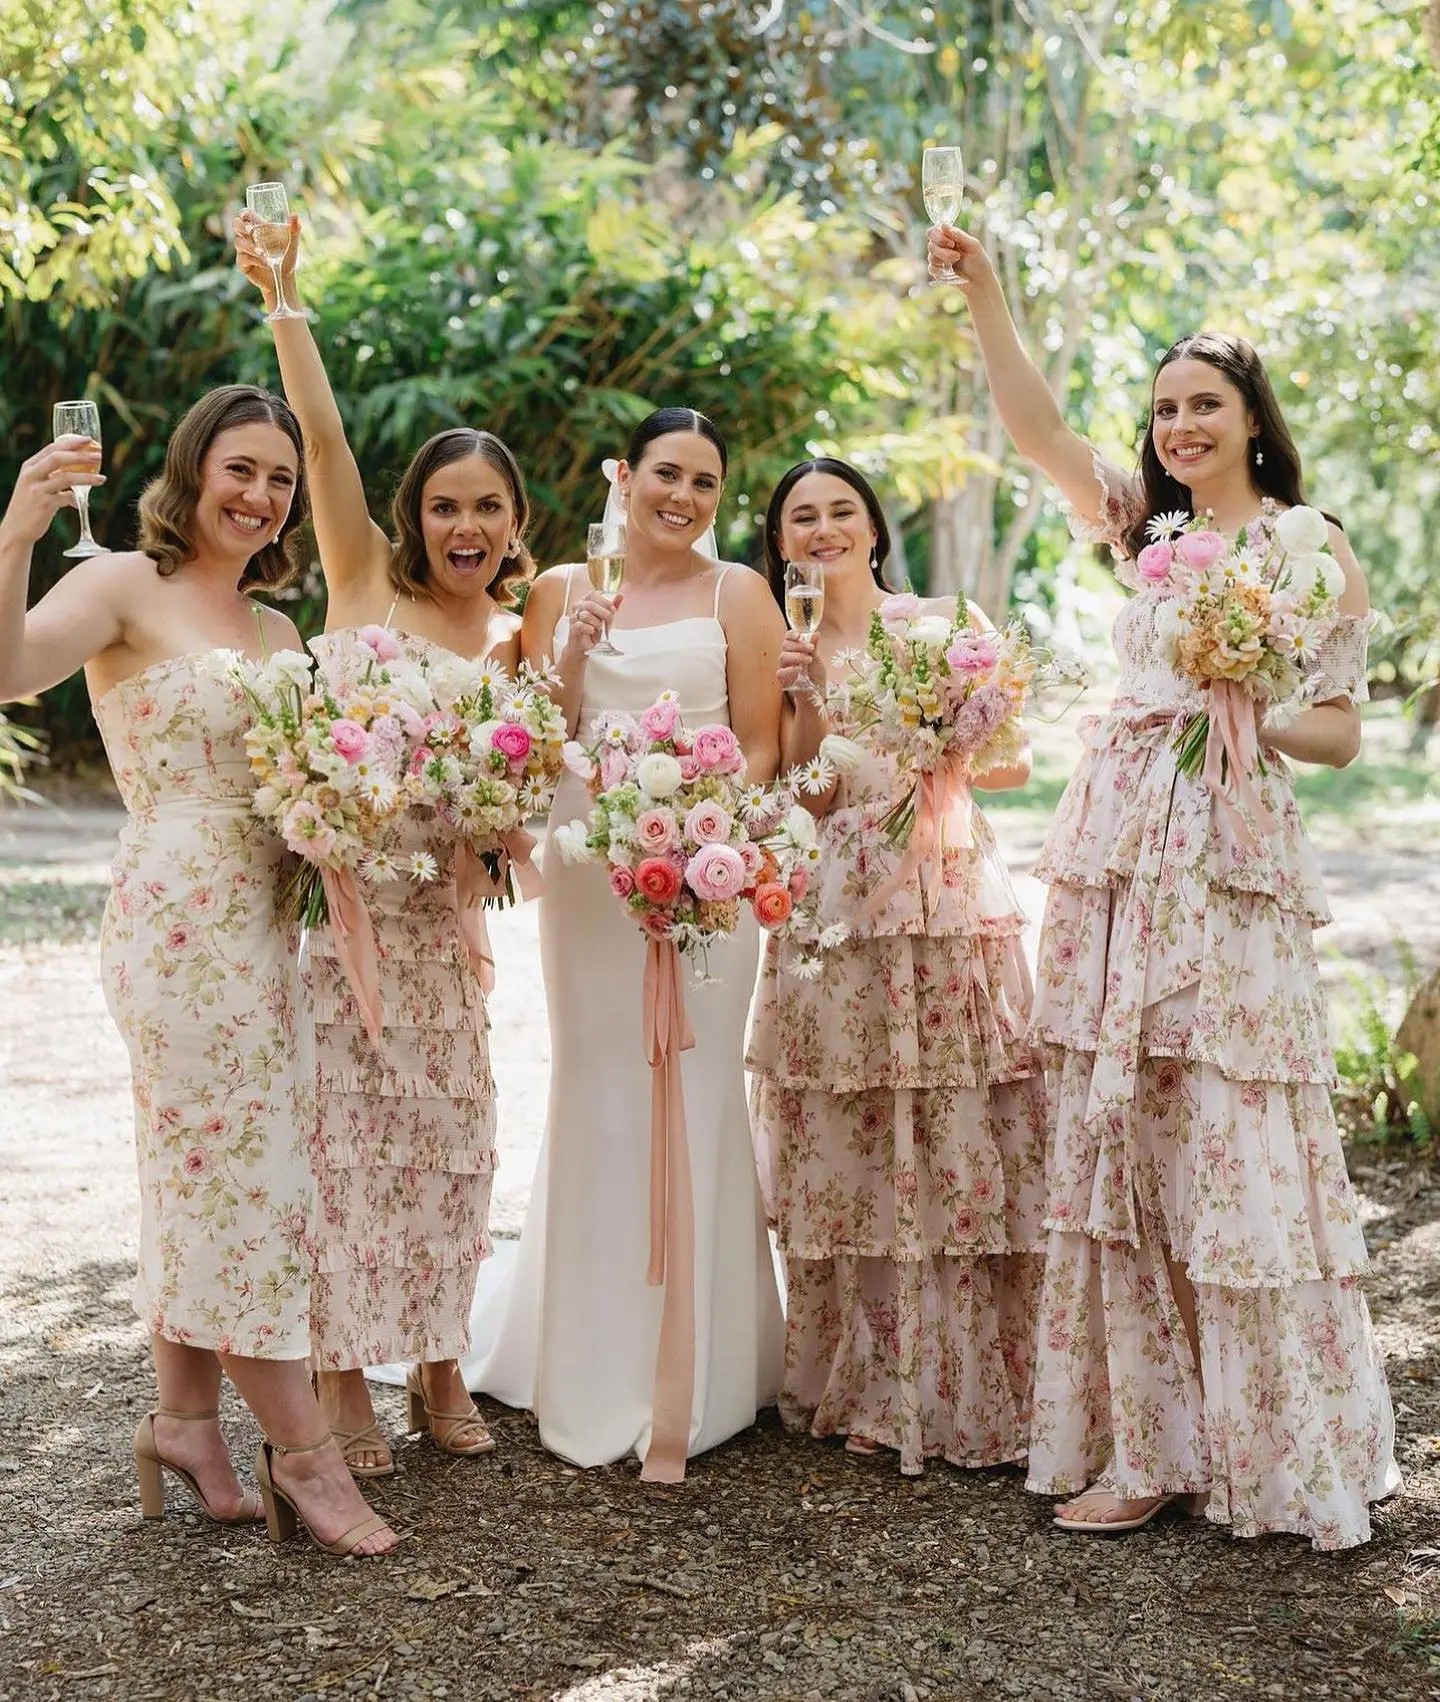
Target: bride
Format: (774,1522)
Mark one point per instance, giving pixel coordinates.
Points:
(579,1328)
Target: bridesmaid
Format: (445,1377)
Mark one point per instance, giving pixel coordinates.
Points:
(1203,1330)
(899,1116)
(200,971)
(405,1151)
(580,1342)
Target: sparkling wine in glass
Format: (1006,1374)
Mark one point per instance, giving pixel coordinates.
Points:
(605,565)
(82,419)
(942,178)
(804,599)
(271,231)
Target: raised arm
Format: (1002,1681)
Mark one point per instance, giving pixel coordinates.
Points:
(354,551)
(80,617)
(1028,411)
(754,629)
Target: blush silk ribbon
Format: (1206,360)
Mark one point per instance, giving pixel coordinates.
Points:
(474,884)
(353,936)
(1232,743)
(672,1215)
(944,815)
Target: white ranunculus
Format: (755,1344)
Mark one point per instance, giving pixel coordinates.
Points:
(1304,571)
(658,774)
(843,754)
(1332,575)
(570,842)
(288,667)
(453,677)
(929,629)
(1302,530)
(800,825)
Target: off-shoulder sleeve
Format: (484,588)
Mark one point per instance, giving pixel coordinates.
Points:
(1120,504)
(1340,665)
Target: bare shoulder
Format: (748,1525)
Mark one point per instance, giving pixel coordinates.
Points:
(547,590)
(1355,598)
(744,592)
(280,632)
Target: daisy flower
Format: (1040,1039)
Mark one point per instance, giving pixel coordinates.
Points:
(806,968)
(421,866)
(1162,527)
(379,866)
(814,777)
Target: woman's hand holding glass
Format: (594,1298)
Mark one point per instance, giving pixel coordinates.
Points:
(590,625)
(48,482)
(957,257)
(258,266)
(800,666)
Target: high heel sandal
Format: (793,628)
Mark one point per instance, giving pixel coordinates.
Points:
(283,1518)
(420,1415)
(151,1466)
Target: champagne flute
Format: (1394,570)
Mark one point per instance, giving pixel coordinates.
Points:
(271,231)
(83,419)
(804,602)
(605,564)
(942,178)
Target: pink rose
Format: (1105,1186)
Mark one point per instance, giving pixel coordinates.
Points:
(178,939)
(513,742)
(1153,563)
(656,830)
(689,768)
(659,721)
(973,653)
(709,823)
(799,884)
(750,856)
(897,611)
(379,640)
(715,871)
(622,882)
(1200,550)
(657,924)
(718,750)
(195,1162)
(658,880)
(350,740)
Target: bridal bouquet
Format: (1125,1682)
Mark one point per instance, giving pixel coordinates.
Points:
(1246,622)
(945,698)
(486,758)
(686,842)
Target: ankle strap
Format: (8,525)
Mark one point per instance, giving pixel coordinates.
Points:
(169,1412)
(298,1447)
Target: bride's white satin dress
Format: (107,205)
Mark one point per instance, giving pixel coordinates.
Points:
(569,1328)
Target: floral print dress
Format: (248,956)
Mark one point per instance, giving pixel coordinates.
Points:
(201,977)
(404,1149)
(900,1126)
(1178,1000)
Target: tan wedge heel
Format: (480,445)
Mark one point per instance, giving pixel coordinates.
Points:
(283,1518)
(151,1466)
(419,1415)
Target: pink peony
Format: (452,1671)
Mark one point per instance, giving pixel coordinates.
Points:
(709,824)
(1154,562)
(973,653)
(1200,550)
(622,882)
(656,830)
(513,742)
(659,721)
(381,641)
(716,871)
(658,880)
(717,750)
(350,740)
(897,611)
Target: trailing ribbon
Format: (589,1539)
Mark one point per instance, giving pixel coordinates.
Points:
(944,815)
(354,939)
(519,845)
(672,1215)
(473,885)
(1232,755)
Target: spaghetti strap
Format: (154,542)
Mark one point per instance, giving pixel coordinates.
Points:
(390,612)
(569,581)
(719,581)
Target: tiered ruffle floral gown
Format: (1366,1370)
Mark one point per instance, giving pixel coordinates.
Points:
(900,1126)
(1178,1000)
(404,1150)
(202,979)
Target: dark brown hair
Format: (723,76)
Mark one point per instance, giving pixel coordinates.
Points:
(665,420)
(409,569)
(774,551)
(167,504)
(1278,472)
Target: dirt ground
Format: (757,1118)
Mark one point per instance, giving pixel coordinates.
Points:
(781,1569)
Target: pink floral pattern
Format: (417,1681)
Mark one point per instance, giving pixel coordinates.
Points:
(1179,1003)
(202,980)
(900,1125)
(404,1150)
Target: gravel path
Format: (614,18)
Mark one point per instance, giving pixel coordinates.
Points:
(782,1569)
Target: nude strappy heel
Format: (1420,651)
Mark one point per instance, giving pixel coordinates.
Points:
(283,1518)
(421,1416)
(151,1466)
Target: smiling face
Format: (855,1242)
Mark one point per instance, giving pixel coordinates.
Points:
(467,524)
(248,479)
(826,520)
(672,492)
(1201,425)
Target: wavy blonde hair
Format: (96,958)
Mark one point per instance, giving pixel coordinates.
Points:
(167,504)
(409,569)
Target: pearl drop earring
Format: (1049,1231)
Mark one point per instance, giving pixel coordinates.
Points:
(1259,456)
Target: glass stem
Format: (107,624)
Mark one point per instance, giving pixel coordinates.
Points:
(279,286)
(82,505)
